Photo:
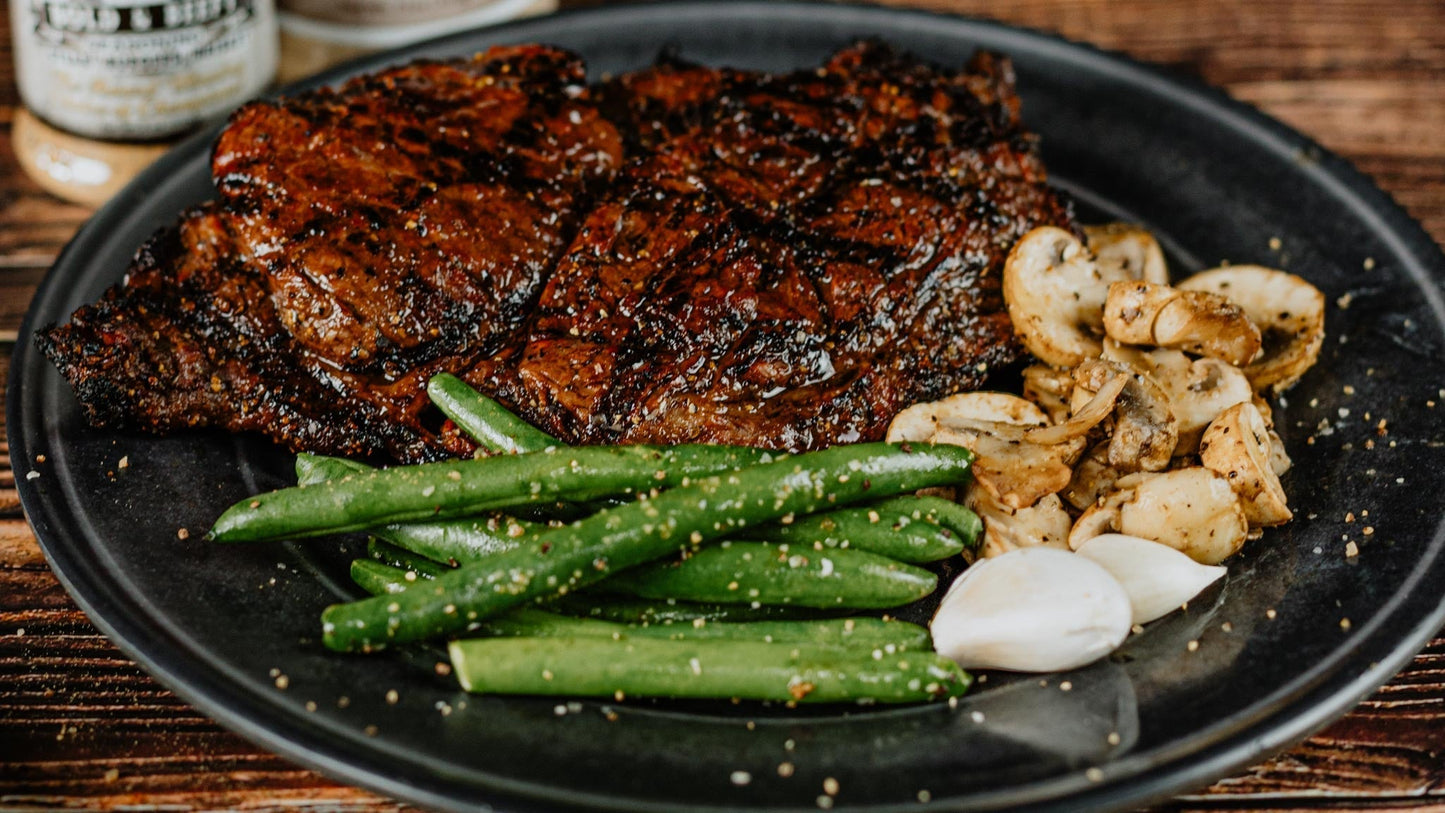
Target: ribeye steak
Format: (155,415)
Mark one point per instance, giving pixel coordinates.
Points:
(682,253)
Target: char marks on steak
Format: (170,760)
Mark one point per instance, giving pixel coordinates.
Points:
(783,259)
(365,239)
(791,260)
(415,213)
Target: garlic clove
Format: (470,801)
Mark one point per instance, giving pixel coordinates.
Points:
(1031,610)
(1157,578)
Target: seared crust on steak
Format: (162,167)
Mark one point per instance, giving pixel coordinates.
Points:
(796,259)
(192,339)
(416,212)
(783,260)
(365,239)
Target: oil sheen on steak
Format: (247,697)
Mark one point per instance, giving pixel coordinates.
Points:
(781,259)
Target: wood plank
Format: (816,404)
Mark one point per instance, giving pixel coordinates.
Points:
(17,286)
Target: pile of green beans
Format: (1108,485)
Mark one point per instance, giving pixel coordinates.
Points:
(683,571)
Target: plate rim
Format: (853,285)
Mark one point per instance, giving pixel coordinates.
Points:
(1296,710)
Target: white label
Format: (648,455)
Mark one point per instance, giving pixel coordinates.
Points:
(115,69)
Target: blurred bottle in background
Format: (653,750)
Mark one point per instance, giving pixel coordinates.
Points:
(109,84)
(317,34)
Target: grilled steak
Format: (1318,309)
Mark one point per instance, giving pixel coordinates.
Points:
(782,260)
(794,259)
(365,239)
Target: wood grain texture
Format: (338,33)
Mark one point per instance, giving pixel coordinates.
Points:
(83,726)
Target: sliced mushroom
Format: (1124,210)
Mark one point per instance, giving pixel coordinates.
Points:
(1043,524)
(1265,410)
(1012,470)
(921,422)
(1016,473)
(1055,294)
(1279,461)
(1194,321)
(1131,308)
(1092,413)
(1093,478)
(1145,431)
(1198,389)
(1049,389)
(1192,510)
(1288,311)
(1236,446)
(1103,516)
(1131,248)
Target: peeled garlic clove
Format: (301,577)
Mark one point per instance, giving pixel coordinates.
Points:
(1157,578)
(1032,610)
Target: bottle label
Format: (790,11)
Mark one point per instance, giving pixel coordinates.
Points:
(139,69)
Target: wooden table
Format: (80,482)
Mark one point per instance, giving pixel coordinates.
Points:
(83,726)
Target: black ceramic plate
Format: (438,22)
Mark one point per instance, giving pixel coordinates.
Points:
(1276,657)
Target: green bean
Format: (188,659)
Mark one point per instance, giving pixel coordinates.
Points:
(861,632)
(459,540)
(604,667)
(667,613)
(469,487)
(379,578)
(762,572)
(484,420)
(449,540)
(909,529)
(732,572)
(396,556)
(316,468)
(312,469)
(571,557)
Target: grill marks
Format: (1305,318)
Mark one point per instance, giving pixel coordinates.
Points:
(365,238)
(453,185)
(799,256)
(785,260)
(192,340)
